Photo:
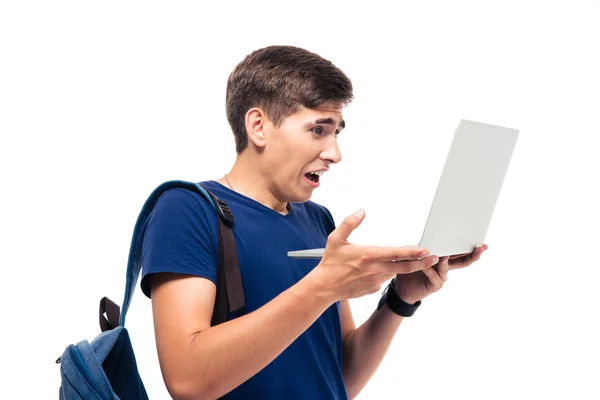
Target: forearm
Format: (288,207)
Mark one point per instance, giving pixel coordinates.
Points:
(365,347)
(221,358)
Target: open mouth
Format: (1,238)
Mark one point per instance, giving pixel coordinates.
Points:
(314,176)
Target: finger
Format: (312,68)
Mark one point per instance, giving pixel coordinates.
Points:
(435,280)
(406,267)
(350,223)
(466,260)
(443,267)
(395,253)
(484,247)
(476,255)
(456,256)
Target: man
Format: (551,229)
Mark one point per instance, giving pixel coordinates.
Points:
(298,339)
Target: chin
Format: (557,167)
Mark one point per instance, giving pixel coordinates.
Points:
(300,198)
(303,200)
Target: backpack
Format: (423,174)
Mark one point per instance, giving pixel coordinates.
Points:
(106,367)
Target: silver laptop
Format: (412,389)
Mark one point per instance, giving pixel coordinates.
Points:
(467,192)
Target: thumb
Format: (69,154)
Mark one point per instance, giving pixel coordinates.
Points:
(350,223)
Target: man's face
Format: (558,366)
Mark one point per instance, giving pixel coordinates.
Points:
(301,150)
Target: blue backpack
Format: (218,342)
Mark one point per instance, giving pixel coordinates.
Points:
(106,367)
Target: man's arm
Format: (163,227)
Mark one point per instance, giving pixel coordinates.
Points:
(365,347)
(198,362)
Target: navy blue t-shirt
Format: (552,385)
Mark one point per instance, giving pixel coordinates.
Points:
(181,237)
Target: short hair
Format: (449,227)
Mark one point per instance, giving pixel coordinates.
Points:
(280,79)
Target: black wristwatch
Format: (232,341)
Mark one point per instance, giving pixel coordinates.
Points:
(395,303)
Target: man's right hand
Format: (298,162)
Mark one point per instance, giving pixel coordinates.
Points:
(348,271)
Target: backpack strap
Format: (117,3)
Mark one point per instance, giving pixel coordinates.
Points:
(230,293)
(112,312)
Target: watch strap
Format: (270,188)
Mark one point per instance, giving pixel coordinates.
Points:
(396,304)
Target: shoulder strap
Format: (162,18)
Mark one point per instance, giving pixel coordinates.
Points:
(230,293)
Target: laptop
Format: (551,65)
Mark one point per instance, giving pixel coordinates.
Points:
(467,191)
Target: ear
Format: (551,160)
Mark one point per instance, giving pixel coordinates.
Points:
(257,125)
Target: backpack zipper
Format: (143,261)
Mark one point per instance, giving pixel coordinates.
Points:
(83,369)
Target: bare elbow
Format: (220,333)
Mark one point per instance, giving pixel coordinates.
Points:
(185,390)
(198,386)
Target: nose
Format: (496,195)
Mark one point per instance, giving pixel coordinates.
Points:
(331,153)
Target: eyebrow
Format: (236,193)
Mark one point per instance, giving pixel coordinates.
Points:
(329,121)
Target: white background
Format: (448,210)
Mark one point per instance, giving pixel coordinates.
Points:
(102,101)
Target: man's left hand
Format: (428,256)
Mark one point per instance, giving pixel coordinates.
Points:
(420,284)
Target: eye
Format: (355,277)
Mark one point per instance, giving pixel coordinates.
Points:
(318,130)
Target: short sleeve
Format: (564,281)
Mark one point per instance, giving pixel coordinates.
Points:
(180,237)
(329,219)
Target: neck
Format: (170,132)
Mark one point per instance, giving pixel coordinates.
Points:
(244,178)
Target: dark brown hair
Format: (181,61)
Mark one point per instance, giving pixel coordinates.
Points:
(279,79)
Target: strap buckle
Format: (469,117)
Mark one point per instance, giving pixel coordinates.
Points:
(224,212)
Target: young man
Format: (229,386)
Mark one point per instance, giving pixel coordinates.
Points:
(298,339)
